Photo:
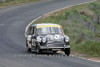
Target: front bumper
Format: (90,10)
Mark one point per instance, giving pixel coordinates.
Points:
(55,45)
(46,47)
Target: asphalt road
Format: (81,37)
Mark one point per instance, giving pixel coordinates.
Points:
(13,21)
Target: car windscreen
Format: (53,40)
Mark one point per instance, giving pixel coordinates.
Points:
(49,30)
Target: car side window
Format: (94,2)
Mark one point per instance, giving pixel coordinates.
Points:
(32,31)
(35,31)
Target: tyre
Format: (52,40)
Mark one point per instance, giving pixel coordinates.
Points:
(67,51)
(54,52)
(38,50)
(28,49)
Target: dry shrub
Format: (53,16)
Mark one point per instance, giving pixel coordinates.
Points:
(87,12)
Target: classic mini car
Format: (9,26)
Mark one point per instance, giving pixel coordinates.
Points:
(49,37)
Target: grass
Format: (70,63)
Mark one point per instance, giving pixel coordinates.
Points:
(88,47)
(82,24)
(12,2)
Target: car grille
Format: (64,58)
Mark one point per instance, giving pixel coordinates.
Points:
(55,44)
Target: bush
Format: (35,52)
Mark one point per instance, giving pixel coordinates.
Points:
(89,47)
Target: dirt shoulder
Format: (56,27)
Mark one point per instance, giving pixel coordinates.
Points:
(87,57)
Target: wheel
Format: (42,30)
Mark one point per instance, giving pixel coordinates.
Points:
(38,50)
(54,52)
(67,51)
(28,49)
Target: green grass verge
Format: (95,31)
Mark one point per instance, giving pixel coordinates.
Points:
(13,2)
(82,24)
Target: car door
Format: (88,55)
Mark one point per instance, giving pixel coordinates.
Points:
(33,37)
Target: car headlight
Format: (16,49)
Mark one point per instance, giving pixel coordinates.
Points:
(39,39)
(66,39)
(44,40)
